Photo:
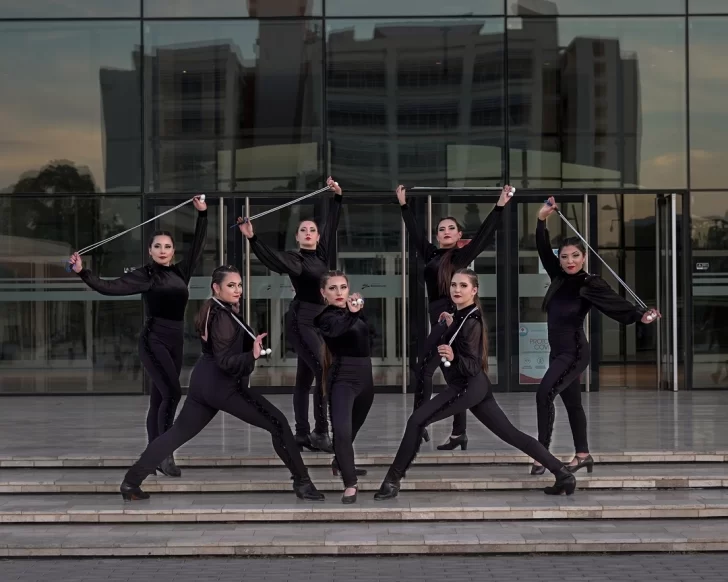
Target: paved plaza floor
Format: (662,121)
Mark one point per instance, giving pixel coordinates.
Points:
(619,421)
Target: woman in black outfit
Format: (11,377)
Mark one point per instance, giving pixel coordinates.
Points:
(305,268)
(163,286)
(572,293)
(347,372)
(440,264)
(219,381)
(468,387)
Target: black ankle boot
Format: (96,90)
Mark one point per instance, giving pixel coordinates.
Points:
(304,442)
(132,492)
(565,483)
(453,443)
(169,467)
(389,489)
(306,490)
(337,471)
(321,441)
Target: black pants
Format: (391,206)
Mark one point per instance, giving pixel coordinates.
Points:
(351,394)
(307,344)
(478,398)
(428,361)
(563,378)
(161,344)
(212,390)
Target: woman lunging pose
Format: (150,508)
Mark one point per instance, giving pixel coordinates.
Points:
(572,293)
(163,286)
(440,264)
(305,268)
(347,373)
(464,345)
(220,381)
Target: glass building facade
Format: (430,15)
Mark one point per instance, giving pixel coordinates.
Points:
(116,110)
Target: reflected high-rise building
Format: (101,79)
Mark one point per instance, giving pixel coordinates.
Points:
(431,108)
(601,110)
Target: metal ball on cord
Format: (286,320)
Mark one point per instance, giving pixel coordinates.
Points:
(357,301)
(650,316)
(267,352)
(445,362)
(512,191)
(202,197)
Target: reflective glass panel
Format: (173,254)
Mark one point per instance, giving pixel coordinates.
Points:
(418,102)
(597,103)
(74,101)
(708,112)
(233,105)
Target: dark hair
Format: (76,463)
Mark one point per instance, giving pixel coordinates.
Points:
(157,233)
(327,357)
(218,276)
(445,269)
(473,276)
(572,241)
(556,283)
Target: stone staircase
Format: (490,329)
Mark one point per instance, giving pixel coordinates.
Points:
(450,503)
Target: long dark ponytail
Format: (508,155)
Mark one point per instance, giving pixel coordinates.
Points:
(571,241)
(218,276)
(327,358)
(445,269)
(473,278)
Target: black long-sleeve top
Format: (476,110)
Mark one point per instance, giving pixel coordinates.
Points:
(227,342)
(461,257)
(570,297)
(345,333)
(304,267)
(467,347)
(164,289)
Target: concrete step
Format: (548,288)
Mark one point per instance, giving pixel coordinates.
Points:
(419,478)
(384,458)
(410,506)
(447,537)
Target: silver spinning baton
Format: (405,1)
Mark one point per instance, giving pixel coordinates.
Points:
(251,218)
(639,301)
(444,360)
(263,351)
(96,245)
(461,188)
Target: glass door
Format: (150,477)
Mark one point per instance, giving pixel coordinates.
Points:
(528,321)
(668,299)
(621,228)
(218,250)
(369,243)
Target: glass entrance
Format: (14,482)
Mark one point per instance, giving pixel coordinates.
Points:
(636,234)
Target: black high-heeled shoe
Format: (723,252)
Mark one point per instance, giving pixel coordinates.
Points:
(425,436)
(169,468)
(565,483)
(454,442)
(537,469)
(304,442)
(306,490)
(132,492)
(349,499)
(587,462)
(321,441)
(337,471)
